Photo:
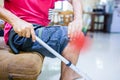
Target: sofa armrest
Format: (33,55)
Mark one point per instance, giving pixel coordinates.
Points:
(23,66)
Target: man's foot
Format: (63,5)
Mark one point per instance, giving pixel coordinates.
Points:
(79,79)
(71,75)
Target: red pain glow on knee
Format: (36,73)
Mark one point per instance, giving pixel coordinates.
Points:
(80,42)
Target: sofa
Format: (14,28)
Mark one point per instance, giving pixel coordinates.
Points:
(23,66)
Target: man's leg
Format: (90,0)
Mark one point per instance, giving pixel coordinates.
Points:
(71,54)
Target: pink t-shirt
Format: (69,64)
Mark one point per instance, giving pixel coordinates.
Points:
(33,11)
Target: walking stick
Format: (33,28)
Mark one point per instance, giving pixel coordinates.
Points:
(68,63)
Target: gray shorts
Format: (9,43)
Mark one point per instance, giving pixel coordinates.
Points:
(54,36)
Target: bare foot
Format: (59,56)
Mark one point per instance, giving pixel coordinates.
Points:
(69,75)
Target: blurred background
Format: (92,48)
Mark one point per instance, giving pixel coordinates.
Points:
(101,20)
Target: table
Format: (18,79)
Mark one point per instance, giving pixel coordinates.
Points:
(93,22)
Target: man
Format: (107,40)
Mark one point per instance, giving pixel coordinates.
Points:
(27,18)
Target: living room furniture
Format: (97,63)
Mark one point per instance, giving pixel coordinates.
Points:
(23,66)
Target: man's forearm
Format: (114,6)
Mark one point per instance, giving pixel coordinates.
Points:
(7,16)
(21,27)
(77,7)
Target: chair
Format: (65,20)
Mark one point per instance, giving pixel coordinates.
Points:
(97,25)
(98,19)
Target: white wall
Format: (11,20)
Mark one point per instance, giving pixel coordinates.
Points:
(66,5)
(1,2)
(87,5)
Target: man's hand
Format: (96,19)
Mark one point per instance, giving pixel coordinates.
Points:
(75,28)
(24,29)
